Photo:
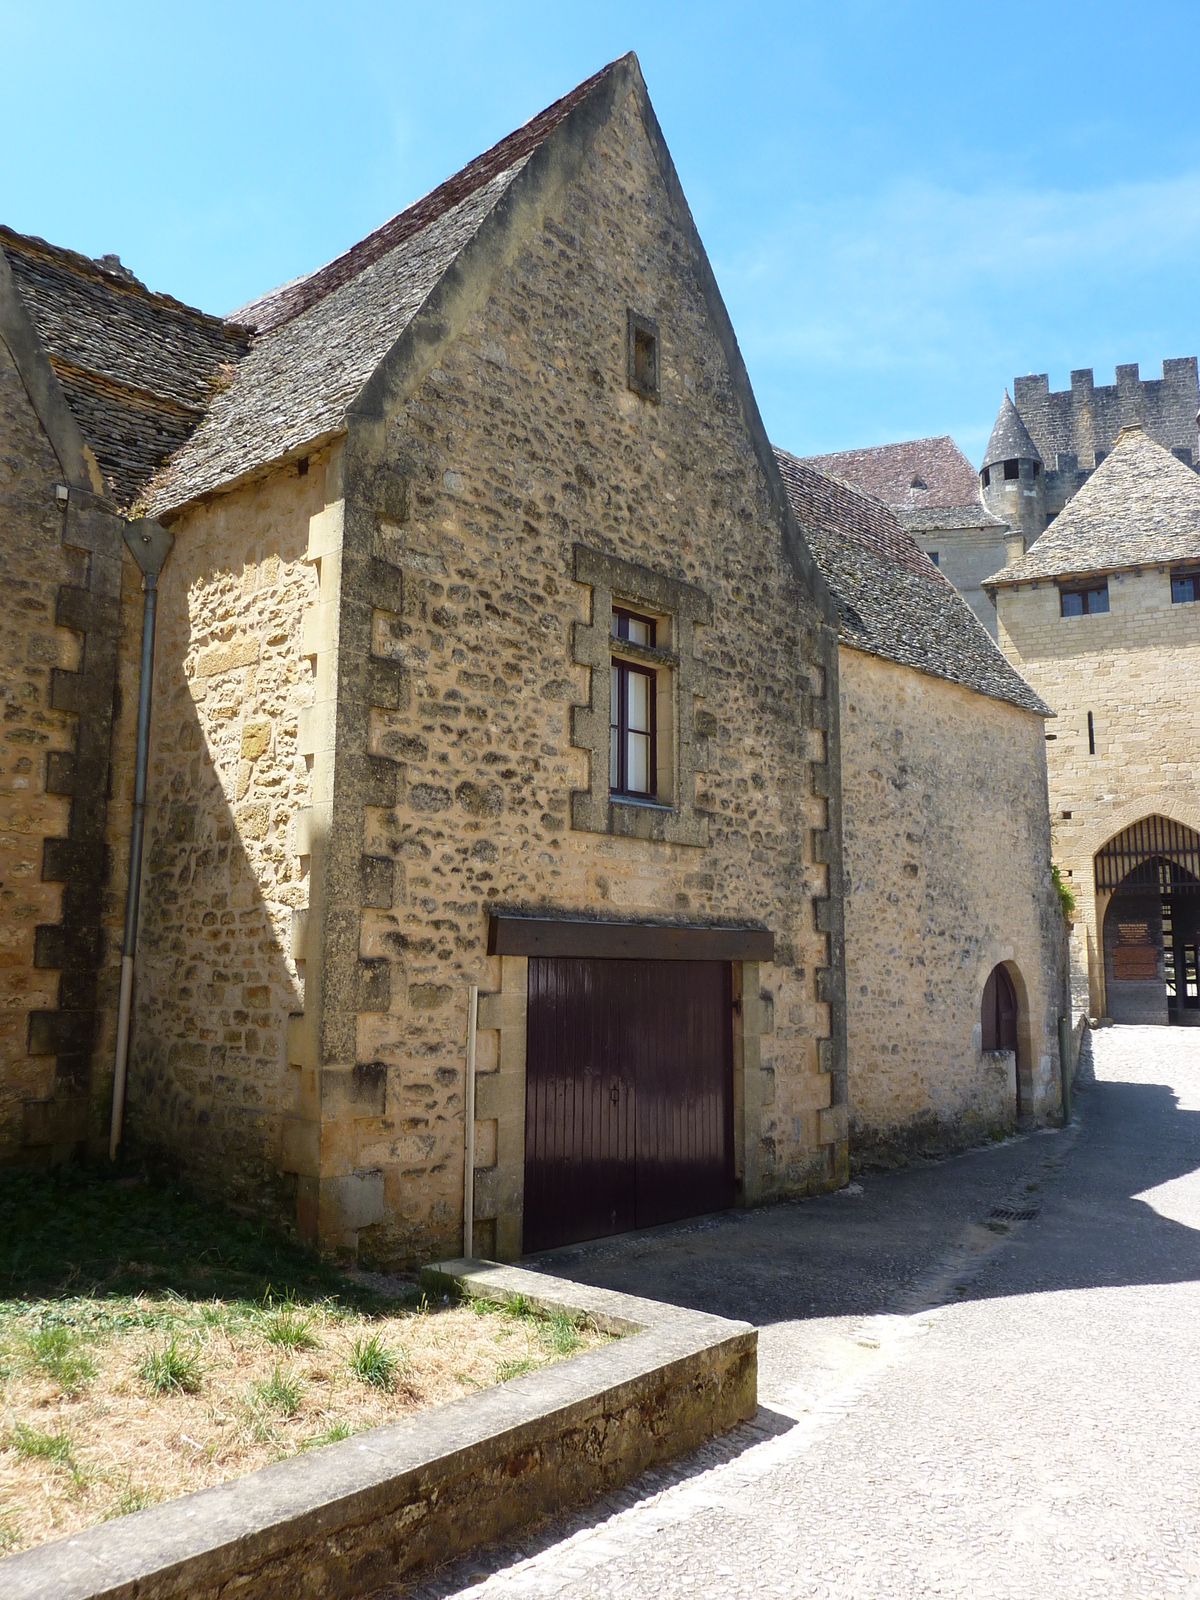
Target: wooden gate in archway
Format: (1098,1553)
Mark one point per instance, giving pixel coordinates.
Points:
(1151,931)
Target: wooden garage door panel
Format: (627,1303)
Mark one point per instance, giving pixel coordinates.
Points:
(578,1106)
(628,1096)
(684,1107)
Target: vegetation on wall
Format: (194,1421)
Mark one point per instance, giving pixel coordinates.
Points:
(1066,898)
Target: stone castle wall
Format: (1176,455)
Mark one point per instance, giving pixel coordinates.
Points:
(947,855)
(1132,667)
(222,880)
(1088,416)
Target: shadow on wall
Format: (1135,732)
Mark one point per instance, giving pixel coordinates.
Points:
(209,1078)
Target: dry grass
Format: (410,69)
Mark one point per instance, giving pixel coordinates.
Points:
(151,1344)
(109,1405)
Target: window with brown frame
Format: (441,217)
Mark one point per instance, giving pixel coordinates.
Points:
(1082,602)
(633,756)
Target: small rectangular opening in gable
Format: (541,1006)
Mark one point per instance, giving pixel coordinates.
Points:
(643,356)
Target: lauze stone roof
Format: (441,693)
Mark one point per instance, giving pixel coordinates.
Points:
(175,403)
(317,340)
(138,369)
(893,601)
(928,483)
(1141,506)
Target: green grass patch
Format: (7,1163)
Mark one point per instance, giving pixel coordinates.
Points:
(515,1369)
(131,1498)
(335,1432)
(290,1328)
(376,1363)
(281,1391)
(173,1369)
(57,1352)
(33,1442)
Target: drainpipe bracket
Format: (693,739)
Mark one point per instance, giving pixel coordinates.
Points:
(149,544)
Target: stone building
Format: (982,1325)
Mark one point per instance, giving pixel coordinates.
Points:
(489,652)
(1099,616)
(1045,445)
(946,843)
(933,490)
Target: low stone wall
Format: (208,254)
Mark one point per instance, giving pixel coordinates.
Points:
(376,1508)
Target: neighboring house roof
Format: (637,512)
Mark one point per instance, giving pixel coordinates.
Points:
(318,339)
(893,601)
(928,483)
(1140,506)
(138,369)
(1010,438)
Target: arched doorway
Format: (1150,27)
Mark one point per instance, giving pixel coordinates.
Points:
(1150,875)
(998,1017)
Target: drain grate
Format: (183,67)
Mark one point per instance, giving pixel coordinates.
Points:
(1015,1213)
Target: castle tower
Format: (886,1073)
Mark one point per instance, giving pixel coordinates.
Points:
(1013,479)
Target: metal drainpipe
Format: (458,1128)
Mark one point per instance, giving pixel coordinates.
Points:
(149,544)
(469,1129)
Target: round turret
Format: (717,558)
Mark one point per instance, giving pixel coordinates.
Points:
(1012,477)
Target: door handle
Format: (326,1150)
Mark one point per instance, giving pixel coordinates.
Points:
(616,1094)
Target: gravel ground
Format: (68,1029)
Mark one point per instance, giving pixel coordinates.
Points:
(953,1403)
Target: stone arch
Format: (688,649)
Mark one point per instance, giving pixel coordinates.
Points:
(1147,879)
(1092,907)
(1023,1075)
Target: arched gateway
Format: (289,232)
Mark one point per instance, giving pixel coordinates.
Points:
(1148,884)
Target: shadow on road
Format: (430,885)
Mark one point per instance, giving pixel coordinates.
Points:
(861,1253)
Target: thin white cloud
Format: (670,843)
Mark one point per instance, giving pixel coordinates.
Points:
(898,278)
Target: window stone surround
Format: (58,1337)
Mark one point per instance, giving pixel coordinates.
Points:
(614,581)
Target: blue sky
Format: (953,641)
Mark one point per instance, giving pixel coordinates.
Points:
(905,204)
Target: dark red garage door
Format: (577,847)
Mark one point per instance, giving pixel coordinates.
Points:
(628,1096)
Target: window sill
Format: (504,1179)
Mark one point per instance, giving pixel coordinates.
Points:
(642,804)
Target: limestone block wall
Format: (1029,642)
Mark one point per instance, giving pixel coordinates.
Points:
(966,556)
(224,883)
(475,466)
(1133,668)
(947,857)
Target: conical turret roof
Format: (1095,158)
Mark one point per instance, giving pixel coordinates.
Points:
(1141,507)
(1010,437)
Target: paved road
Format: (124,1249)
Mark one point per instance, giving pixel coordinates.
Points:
(947,1408)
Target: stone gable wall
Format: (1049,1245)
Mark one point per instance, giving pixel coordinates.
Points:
(1133,668)
(455,765)
(222,879)
(947,854)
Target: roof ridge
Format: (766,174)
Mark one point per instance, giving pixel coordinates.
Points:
(290,300)
(33,244)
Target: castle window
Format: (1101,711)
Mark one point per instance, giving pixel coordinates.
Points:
(1185,585)
(642,355)
(633,695)
(986,476)
(1182,452)
(934,557)
(1084,602)
(1091,734)
(1100,456)
(1012,469)
(1037,467)
(645,756)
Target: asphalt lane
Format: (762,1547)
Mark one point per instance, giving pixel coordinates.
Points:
(978,1377)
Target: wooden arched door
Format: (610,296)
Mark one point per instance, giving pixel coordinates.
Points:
(998,1014)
